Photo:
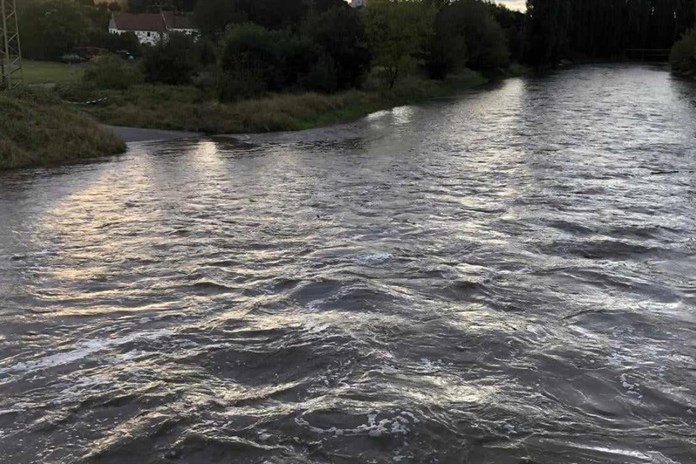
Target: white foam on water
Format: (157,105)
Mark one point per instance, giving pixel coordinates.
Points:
(372,258)
(81,351)
(397,425)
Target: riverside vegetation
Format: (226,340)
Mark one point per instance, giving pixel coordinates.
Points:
(270,65)
(273,65)
(37,129)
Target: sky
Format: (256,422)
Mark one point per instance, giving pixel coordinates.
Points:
(514,4)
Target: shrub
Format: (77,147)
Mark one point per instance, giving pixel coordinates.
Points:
(397,32)
(110,72)
(683,55)
(255,60)
(37,129)
(341,34)
(485,39)
(172,61)
(117,42)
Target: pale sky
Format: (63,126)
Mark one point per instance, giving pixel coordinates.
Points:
(514,4)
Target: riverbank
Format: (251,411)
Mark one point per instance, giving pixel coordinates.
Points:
(37,129)
(187,109)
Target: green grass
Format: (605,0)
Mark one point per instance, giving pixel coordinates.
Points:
(48,72)
(36,129)
(186,108)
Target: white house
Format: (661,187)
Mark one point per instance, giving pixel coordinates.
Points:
(150,28)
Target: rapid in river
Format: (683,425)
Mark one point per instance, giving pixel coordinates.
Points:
(508,276)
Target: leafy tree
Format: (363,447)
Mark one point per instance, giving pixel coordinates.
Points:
(588,29)
(485,38)
(214,16)
(111,72)
(447,51)
(512,23)
(115,42)
(683,55)
(172,61)
(397,32)
(341,34)
(256,60)
(51,28)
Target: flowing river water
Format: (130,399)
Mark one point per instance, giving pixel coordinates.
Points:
(508,276)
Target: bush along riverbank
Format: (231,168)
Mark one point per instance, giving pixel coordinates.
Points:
(187,108)
(37,129)
(683,55)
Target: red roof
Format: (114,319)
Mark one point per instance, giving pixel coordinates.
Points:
(139,22)
(156,22)
(179,21)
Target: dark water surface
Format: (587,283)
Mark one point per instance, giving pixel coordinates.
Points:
(505,277)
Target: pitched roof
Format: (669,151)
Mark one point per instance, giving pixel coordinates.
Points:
(157,22)
(139,22)
(178,21)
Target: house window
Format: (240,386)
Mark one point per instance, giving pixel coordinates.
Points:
(148,34)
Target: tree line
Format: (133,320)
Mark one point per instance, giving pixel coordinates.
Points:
(250,47)
(602,29)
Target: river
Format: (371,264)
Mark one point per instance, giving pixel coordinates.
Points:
(508,276)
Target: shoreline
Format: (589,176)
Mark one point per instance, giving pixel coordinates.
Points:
(182,112)
(139,134)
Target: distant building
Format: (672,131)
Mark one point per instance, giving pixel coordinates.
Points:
(150,28)
(357,3)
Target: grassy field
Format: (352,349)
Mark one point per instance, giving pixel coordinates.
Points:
(47,72)
(186,108)
(37,129)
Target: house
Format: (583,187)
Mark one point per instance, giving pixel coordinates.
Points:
(150,28)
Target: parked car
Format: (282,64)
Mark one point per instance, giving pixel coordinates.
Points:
(71,58)
(125,54)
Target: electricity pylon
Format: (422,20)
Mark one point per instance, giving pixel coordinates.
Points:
(11,73)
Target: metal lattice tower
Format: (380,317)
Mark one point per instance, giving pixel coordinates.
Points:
(11,73)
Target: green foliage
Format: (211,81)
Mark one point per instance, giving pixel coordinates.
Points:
(51,28)
(397,32)
(111,72)
(447,50)
(213,17)
(485,38)
(512,23)
(37,129)
(116,42)
(568,29)
(341,34)
(186,108)
(172,61)
(683,55)
(255,60)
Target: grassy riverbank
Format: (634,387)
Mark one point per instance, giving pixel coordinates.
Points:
(37,129)
(186,108)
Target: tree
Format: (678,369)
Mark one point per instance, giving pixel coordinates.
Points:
(172,61)
(683,55)
(341,34)
(214,16)
(485,38)
(256,60)
(51,28)
(605,29)
(111,72)
(397,32)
